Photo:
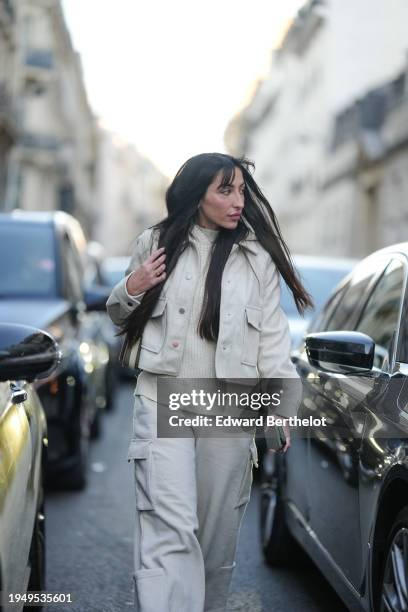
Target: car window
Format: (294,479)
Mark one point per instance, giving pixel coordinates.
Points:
(320,321)
(318,281)
(113,270)
(380,316)
(27,261)
(112,277)
(344,317)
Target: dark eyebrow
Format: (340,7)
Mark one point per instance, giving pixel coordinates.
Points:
(221,186)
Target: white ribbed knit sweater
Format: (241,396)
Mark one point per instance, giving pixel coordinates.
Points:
(198,359)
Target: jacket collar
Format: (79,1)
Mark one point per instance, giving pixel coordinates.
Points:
(249,243)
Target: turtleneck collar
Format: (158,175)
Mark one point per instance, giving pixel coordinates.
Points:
(205,233)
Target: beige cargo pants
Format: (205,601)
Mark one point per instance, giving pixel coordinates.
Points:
(191,495)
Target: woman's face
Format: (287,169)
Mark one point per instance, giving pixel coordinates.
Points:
(222,205)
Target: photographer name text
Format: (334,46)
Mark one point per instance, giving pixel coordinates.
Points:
(230,421)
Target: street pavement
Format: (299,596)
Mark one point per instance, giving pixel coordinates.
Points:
(90,541)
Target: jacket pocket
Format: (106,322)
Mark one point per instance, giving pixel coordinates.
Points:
(140,453)
(251,336)
(154,334)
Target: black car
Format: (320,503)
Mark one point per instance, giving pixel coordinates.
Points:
(341,489)
(25,354)
(41,284)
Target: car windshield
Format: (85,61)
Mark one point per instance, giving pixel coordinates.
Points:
(27,261)
(319,282)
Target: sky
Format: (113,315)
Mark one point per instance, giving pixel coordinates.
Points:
(168,76)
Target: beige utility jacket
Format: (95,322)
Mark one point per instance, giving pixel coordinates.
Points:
(254,340)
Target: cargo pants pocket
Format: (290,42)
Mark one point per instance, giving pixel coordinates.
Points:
(140,452)
(244,490)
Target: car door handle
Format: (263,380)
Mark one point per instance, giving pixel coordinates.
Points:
(18,395)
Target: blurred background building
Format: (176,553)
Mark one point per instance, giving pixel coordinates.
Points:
(8,115)
(129,193)
(53,154)
(367,167)
(326,127)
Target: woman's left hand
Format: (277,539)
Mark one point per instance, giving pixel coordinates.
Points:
(286,429)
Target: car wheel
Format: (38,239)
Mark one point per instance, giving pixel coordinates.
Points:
(278,545)
(96,425)
(77,476)
(394,582)
(37,551)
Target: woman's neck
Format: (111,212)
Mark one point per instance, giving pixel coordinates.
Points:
(204,222)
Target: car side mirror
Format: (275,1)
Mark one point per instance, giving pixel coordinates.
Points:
(26,353)
(342,352)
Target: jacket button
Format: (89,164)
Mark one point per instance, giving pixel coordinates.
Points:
(188,276)
(182,310)
(130,303)
(175,343)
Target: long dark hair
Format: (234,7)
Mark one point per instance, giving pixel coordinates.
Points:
(182,198)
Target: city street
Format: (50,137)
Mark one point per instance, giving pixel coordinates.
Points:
(251,229)
(89,541)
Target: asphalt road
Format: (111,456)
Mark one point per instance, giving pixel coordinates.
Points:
(89,541)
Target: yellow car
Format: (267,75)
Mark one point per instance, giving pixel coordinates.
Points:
(26,354)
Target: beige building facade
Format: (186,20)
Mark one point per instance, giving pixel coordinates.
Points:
(365,187)
(52,165)
(54,154)
(129,195)
(333,53)
(8,114)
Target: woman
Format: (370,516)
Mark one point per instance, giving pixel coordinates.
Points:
(202,290)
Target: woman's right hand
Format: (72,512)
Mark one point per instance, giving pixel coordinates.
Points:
(149,274)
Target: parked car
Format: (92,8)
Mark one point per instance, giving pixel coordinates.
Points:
(102,326)
(25,354)
(112,269)
(41,284)
(341,491)
(319,275)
